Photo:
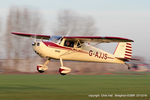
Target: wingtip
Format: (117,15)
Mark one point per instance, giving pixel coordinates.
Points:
(132,40)
(14,32)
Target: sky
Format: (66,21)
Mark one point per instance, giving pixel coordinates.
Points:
(122,18)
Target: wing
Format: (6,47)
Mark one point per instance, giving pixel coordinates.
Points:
(80,38)
(38,36)
(98,39)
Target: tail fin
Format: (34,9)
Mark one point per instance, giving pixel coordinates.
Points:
(123,50)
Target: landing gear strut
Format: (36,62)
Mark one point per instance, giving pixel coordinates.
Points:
(63,70)
(42,68)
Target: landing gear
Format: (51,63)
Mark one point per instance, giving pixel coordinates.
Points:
(128,64)
(129,68)
(42,68)
(39,69)
(60,71)
(63,70)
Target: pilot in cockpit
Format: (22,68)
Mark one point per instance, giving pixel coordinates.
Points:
(69,43)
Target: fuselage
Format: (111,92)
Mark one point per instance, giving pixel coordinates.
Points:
(77,48)
(86,52)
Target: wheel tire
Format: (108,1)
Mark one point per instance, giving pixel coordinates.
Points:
(60,71)
(40,71)
(129,68)
(62,74)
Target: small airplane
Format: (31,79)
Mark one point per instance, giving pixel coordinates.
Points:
(77,48)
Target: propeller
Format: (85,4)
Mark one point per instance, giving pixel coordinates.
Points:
(69,31)
(34,40)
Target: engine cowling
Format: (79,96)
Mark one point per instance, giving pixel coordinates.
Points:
(64,70)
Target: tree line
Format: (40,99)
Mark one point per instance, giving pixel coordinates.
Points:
(23,19)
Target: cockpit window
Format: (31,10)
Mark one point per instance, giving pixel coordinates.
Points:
(69,43)
(78,45)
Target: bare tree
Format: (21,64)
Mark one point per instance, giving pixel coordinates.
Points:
(0,45)
(70,22)
(21,20)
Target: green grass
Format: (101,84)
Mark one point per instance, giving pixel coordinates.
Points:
(73,87)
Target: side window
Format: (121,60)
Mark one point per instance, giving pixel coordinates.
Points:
(78,45)
(69,43)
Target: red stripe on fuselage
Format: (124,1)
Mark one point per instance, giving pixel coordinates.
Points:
(62,47)
(67,48)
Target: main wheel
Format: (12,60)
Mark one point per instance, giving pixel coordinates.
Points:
(39,69)
(64,70)
(62,74)
(60,71)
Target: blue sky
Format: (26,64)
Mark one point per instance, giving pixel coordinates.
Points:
(125,18)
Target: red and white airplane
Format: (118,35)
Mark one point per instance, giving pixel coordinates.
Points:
(77,48)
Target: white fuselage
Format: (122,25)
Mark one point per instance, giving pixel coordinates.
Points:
(85,53)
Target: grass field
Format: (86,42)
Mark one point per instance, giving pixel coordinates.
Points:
(74,87)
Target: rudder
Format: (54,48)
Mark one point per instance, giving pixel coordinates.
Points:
(123,50)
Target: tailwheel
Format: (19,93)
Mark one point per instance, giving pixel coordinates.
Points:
(128,65)
(129,68)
